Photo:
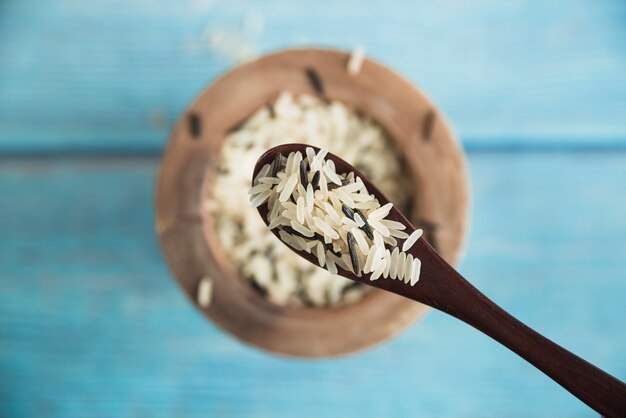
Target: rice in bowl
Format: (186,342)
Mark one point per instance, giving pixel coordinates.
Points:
(268,264)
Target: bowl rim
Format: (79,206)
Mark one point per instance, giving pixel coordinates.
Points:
(163,226)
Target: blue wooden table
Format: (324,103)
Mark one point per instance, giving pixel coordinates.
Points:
(91,323)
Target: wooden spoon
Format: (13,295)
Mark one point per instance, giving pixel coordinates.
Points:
(442,287)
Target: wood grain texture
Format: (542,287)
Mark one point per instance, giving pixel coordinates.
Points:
(109,74)
(91,324)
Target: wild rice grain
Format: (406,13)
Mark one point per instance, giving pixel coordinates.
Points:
(368,231)
(195,125)
(315,182)
(303,175)
(348,212)
(276,165)
(360,240)
(353,255)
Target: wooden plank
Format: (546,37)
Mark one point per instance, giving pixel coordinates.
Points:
(91,324)
(111,75)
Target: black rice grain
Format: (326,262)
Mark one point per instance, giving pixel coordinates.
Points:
(195,125)
(279,162)
(368,231)
(315,80)
(366,228)
(303,176)
(315,182)
(348,212)
(353,256)
(429,122)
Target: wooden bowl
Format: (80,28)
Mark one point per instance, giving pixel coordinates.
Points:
(434,159)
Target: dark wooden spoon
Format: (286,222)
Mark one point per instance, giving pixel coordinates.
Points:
(443,288)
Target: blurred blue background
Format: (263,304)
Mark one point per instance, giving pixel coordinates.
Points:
(91,323)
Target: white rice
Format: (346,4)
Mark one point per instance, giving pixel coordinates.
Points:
(205,292)
(415,271)
(259,199)
(406,272)
(286,278)
(321,254)
(330,264)
(302,229)
(412,239)
(332,176)
(355,63)
(289,186)
(393,264)
(379,227)
(380,213)
(278,220)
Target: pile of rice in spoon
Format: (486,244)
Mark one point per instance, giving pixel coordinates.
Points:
(333,216)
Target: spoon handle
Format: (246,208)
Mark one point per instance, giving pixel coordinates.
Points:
(443,288)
